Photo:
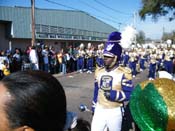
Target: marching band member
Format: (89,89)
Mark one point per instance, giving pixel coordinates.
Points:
(113,86)
(159,58)
(89,58)
(132,63)
(152,66)
(142,60)
(80,58)
(99,55)
(125,58)
(168,63)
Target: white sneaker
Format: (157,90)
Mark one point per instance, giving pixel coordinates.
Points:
(80,71)
(151,79)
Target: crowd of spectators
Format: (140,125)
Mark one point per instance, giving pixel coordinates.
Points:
(45,58)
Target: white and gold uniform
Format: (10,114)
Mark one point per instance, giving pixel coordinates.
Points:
(89,53)
(89,60)
(99,56)
(80,58)
(168,63)
(118,83)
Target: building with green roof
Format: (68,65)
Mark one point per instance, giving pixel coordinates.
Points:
(58,28)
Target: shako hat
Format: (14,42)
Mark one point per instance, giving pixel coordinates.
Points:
(152,105)
(112,47)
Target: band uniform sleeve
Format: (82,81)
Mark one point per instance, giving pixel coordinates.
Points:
(95,93)
(126,85)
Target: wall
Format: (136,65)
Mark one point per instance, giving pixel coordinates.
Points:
(4,42)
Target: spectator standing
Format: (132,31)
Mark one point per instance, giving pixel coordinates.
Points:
(53,60)
(28,49)
(60,59)
(4,65)
(40,58)
(4,61)
(68,65)
(17,60)
(45,53)
(64,63)
(33,57)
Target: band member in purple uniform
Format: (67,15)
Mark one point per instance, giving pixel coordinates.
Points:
(113,86)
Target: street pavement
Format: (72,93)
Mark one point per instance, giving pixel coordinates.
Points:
(79,90)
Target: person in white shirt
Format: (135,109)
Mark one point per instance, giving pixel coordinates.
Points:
(33,57)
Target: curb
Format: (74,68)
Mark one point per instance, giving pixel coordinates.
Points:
(67,74)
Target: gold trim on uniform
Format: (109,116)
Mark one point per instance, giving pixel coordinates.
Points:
(126,71)
(116,76)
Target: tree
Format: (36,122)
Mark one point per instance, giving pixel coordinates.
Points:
(170,36)
(140,37)
(157,8)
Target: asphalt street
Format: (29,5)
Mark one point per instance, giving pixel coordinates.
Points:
(79,90)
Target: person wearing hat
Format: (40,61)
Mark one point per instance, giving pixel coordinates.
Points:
(152,105)
(89,55)
(80,58)
(99,56)
(113,86)
(152,66)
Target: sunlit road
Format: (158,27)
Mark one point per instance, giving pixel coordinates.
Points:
(79,89)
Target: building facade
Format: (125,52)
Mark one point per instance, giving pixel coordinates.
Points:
(59,28)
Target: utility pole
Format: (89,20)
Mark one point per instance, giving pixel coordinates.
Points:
(119,24)
(163,30)
(134,26)
(134,19)
(33,21)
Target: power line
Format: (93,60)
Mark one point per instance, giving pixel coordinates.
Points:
(53,2)
(96,9)
(111,20)
(117,11)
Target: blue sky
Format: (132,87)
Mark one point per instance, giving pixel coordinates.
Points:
(118,13)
